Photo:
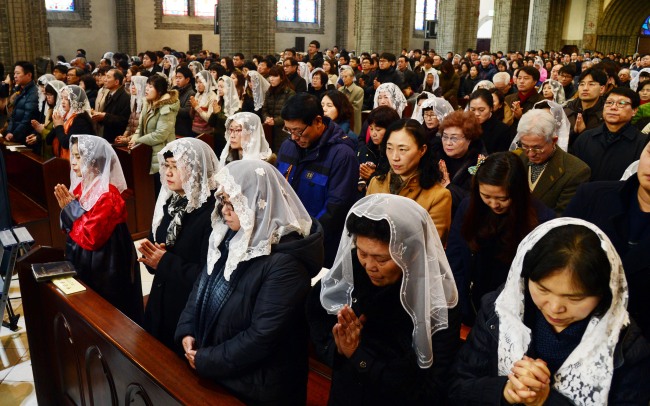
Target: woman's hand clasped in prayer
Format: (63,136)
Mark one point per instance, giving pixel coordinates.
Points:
(269,121)
(57,119)
(151,253)
(347,331)
(216,107)
(63,195)
(38,127)
(190,353)
(444,173)
(366,170)
(529,382)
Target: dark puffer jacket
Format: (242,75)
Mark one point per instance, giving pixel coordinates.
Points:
(24,111)
(258,343)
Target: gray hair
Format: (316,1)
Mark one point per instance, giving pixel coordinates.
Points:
(502,77)
(537,122)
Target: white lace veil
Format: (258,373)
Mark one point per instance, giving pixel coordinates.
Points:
(198,167)
(206,78)
(173,64)
(57,85)
(416,107)
(78,101)
(43,81)
(253,141)
(436,79)
(441,108)
(556,88)
(585,376)
(427,290)
(634,83)
(195,67)
(483,84)
(140,84)
(99,168)
(267,208)
(397,99)
(303,72)
(230,96)
(259,88)
(109,56)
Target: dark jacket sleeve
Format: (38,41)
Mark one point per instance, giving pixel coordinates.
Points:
(119,114)
(459,256)
(177,272)
(20,123)
(280,293)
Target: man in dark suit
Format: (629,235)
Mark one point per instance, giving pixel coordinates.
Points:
(526,95)
(553,174)
(117,107)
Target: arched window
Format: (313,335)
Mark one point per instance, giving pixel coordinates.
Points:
(645,27)
(202,8)
(299,11)
(59,5)
(425,10)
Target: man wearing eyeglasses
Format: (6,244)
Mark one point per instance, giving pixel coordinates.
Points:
(586,111)
(319,161)
(610,148)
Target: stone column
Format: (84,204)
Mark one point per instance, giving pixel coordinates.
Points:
(256,35)
(23,31)
(593,12)
(537,33)
(555,24)
(342,23)
(125,16)
(379,27)
(501,25)
(458,25)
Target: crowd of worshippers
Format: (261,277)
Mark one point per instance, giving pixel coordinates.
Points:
(509,193)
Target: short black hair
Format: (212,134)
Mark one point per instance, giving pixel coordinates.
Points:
(626,92)
(291,61)
(250,65)
(159,83)
(314,42)
(117,74)
(239,55)
(383,116)
(60,68)
(388,56)
(160,54)
(365,227)
(596,74)
(28,67)
(304,107)
(531,70)
(151,55)
(185,71)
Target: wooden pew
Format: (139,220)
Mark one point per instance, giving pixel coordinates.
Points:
(31,181)
(139,197)
(84,351)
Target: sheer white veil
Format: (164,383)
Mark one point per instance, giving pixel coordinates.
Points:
(483,84)
(99,168)
(556,88)
(140,84)
(428,288)
(436,79)
(198,167)
(441,108)
(397,99)
(253,141)
(210,85)
(585,376)
(259,88)
(57,85)
(77,98)
(303,72)
(267,208)
(634,83)
(230,96)
(173,64)
(43,80)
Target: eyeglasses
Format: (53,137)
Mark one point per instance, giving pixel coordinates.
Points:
(294,132)
(527,150)
(429,114)
(450,139)
(237,131)
(619,103)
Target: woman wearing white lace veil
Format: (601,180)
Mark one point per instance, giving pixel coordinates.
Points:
(71,116)
(484,84)
(137,88)
(430,114)
(558,332)
(389,94)
(244,324)
(634,83)
(170,63)
(303,72)
(391,300)
(177,248)
(196,67)
(256,88)
(42,82)
(44,126)
(245,140)
(552,90)
(431,82)
(203,102)
(225,105)
(94,218)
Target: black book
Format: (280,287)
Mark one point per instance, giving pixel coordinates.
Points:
(50,270)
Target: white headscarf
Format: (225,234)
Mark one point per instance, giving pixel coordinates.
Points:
(397,99)
(43,81)
(195,67)
(436,79)
(483,84)
(198,167)
(57,85)
(634,83)
(556,88)
(109,56)
(416,107)
(231,100)
(303,72)
(441,108)
(100,168)
(210,86)
(252,139)
(428,288)
(173,64)
(260,86)
(77,98)
(586,374)
(140,84)
(267,207)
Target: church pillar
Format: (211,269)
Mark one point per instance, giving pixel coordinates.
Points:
(379,27)
(342,23)
(253,29)
(538,20)
(593,12)
(556,24)
(23,31)
(501,26)
(125,16)
(458,25)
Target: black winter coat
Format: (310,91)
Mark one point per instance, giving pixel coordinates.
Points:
(475,380)
(118,110)
(24,111)
(609,206)
(177,271)
(183,118)
(258,347)
(384,369)
(496,135)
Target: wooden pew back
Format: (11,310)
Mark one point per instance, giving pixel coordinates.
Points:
(140,195)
